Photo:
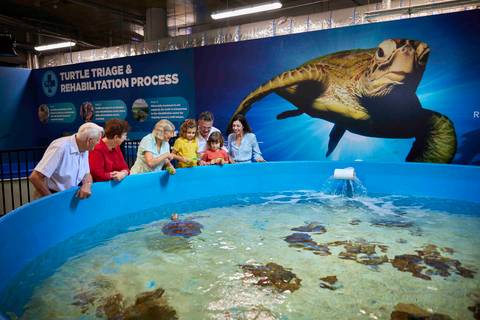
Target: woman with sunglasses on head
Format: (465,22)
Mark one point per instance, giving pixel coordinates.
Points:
(153,153)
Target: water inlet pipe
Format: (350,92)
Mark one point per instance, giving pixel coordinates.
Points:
(345,174)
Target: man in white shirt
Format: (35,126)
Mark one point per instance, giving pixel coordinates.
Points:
(205,129)
(65,164)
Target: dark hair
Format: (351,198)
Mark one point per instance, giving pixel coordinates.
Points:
(216,137)
(206,116)
(116,127)
(243,121)
(188,124)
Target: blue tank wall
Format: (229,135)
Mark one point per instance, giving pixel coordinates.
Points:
(29,230)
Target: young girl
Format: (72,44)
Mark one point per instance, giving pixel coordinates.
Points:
(186,145)
(215,154)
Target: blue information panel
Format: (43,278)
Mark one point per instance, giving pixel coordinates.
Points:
(140,90)
(174,109)
(57,113)
(109,109)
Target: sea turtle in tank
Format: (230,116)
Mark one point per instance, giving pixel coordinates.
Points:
(184,228)
(369,92)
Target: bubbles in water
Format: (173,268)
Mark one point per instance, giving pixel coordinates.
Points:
(345,188)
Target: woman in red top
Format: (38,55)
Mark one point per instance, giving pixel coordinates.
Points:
(214,154)
(106,160)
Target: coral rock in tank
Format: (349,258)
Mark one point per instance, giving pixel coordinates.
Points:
(274,275)
(405,311)
(476,310)
(331,280)
(311,227)
(304,241)
(415,231)
(430,257)
(148,305)
(392,223)
(355,248)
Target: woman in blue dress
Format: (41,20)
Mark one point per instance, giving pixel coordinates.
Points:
(242,143)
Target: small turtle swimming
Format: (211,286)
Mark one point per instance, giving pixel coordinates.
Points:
(369,92)
(184,228)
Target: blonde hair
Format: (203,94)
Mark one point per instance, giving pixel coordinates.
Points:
(161,127)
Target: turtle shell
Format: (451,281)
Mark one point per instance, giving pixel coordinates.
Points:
(182,228)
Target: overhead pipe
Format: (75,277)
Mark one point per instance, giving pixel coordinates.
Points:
(449,4)
(22,26)
(138,18)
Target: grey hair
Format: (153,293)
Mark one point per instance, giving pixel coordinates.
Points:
(206,116)
(161,127)
(89,130)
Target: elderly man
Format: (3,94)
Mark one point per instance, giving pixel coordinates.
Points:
(65,164)
(205,129)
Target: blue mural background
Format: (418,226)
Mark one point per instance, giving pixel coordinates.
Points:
(448,86)
(217,78)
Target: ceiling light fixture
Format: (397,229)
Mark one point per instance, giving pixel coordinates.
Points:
(247,10)
(56,46)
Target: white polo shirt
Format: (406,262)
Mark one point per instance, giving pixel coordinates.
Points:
(63,165)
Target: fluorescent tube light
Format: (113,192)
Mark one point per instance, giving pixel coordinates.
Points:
(247,10)
(55,46)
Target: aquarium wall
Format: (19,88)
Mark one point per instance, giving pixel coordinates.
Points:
(436,87)
(17,98)
(29,230)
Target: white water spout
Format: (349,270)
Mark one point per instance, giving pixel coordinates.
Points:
(345,174)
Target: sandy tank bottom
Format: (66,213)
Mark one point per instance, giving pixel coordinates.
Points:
(343,253)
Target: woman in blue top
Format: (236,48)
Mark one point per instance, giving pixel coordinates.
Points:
(154,151)
(242,143)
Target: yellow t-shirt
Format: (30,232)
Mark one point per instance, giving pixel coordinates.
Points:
(186,149)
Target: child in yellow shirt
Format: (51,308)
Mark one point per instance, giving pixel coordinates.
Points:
(186,145)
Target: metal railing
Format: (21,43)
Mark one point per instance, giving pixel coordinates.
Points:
(16,165)
(129,149)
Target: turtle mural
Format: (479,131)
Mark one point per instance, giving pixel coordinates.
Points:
(370,92)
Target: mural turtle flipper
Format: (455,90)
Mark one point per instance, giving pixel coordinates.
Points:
(370,92)
(335,135)
(438,144)
(284,85)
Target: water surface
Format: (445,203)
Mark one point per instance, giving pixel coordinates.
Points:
(365,243)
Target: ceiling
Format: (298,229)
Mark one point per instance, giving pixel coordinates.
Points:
(104,23)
